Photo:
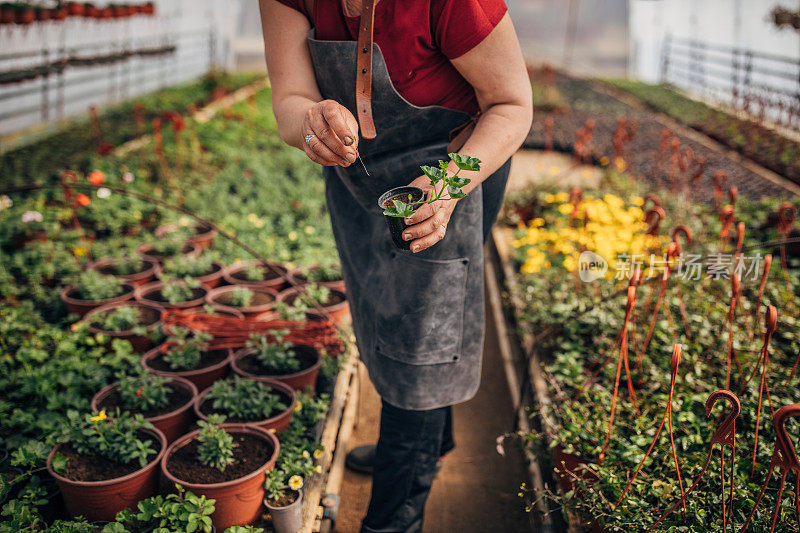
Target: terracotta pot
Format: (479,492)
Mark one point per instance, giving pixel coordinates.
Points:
(203,235)
(278,422)
(234,275)
(338,311)
(102,500)
(60,13)
(146,251)
(210,281)
(7,15)
(150,294)
(238,502)
(43,14)
(76,9)
(201,377)
(106,266)
(140,343)
(25,16)
(220,298)
(287,519)
(172,424)
(575,465)
(298,275)
(81,307)
(148,9)
(299,380)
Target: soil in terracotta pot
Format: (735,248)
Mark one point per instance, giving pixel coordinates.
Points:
(251,364)
(207,359)
(333,299)
(156,296)
(286,499)
(259,298)
(81,467)
(178,397)
(207,409)
(250,454)
(267,274)
(148,317)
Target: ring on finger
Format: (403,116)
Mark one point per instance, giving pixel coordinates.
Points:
(309,137)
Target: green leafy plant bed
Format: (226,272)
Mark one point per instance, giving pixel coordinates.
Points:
(608,348)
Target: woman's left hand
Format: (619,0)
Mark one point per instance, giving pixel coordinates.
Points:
(428,225)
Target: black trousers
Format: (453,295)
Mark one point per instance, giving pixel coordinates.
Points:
(411,442)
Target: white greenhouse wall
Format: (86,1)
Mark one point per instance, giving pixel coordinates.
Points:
(201,31)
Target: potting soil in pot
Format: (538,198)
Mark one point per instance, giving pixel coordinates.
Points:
(178,397)
(207,409)
(286,499)
(81,467)
(333,299)
(207,359)
(250,454)
(251,364)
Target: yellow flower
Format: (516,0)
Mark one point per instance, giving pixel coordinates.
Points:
(306,455)
(184,221)
(537,222)
(258,223)
(318,469)
(295,482)
(604,161)
(79,251)
(549,198)
(272,430)
(309,230)
(252,217)
(99,417)
(620,164)
(637,200)
(317,454)
(292,235)
(565,209)
(298,407)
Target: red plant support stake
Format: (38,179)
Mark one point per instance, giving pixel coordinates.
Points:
(654,217)
(548,134)
(726,216)
(650,197)
(698,171)
(725,435)
(785,458)
(662,291)
(687,234)
(578,149)
(623,358)
(764,275)
(138,115)
(735,293)
(787,213)
(666,138)
(771,323)
(720,180)
(733,194)
(676,359)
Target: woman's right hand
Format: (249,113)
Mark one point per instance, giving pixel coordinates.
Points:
(332,133)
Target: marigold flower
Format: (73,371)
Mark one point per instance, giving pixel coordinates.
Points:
(317,454)
(295,482)
(309,230)
(99,417)
(83,200)
(97,177)
(79,251)
(306,455)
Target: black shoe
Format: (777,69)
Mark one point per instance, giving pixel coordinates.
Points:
(362,459)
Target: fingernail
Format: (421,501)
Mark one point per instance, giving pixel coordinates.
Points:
(348,141)
(351,157)
(415,248)
(406,236)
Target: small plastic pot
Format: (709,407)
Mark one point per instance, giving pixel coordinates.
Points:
(299,380)
(201,377)
(151,294)
(278,422)
(147,251)
(397,224)
(287,519)
(81,307)
(172,424)
(102,500)
(107,264)
(203,235)
(140,343)
(238,502)
(264,300)
(234,275)
(339,310)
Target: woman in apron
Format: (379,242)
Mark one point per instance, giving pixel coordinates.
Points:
(402,83)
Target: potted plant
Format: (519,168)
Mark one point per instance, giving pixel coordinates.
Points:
(284,501)
(262,403)
(270,357)
(250,302)
(134,269)
(106,463)
(333,301)
(166,247)
(25,13)
(172,294)
(75,9)
(329,275)
(200,234)
(227,463)
(255,275)
(93,289)
(164,402)
(176,512)
(148,8)
(134,322)
(401,202)
(201,267)
(8,14)
(43,13)
(187,354)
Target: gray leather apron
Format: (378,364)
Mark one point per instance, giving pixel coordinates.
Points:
(418,318)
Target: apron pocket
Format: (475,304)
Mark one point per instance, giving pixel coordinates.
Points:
(420,315)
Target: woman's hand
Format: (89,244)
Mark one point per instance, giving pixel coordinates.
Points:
(428,225)
(332,133)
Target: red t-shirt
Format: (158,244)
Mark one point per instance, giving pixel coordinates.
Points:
(418,39)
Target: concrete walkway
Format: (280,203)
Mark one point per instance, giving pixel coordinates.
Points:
(476,490)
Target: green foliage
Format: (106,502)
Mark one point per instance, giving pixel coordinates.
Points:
(93,285)
(189,265)
(176,513)
(186,348)
(216,445)
(441,181)
(122,318)
(277,355)
(128,264)
(178,291)
(245,399)
(144,391)
(114,437)
(241,296)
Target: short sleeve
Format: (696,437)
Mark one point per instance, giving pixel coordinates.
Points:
(297,5)
(460,25)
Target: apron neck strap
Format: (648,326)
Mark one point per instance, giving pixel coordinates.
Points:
(364,70)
